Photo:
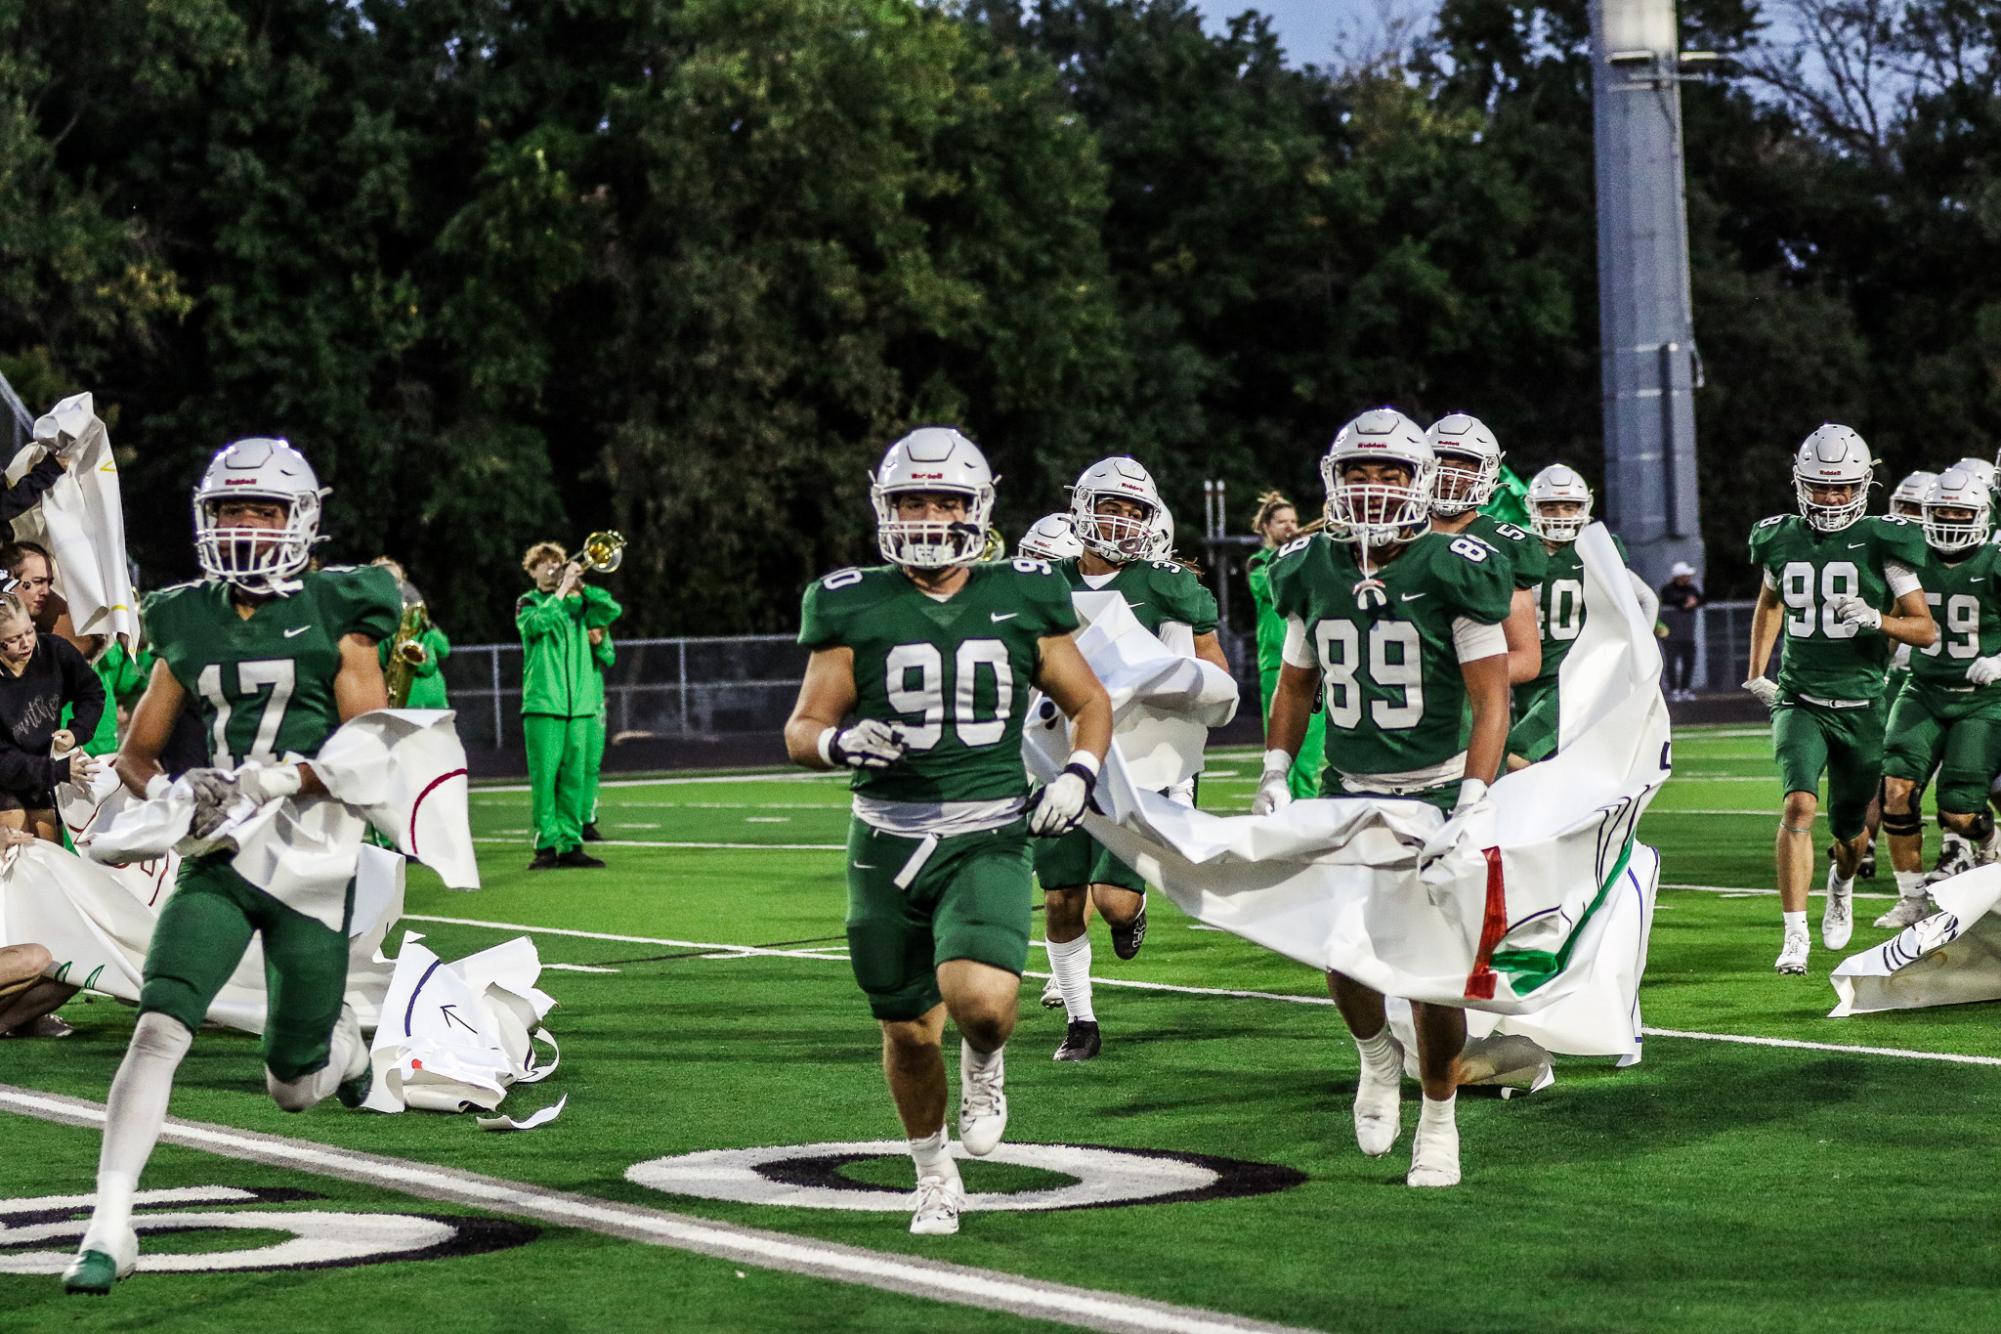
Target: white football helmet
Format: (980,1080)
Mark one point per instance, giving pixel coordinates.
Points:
(1558,484)
(1469,463)
(1983,471)
(1378,514)
(932,458)
(1114,538)
(261,561)
(1052,538)
(1832,456)
(1962,490)
(1163,535)
(1908,500)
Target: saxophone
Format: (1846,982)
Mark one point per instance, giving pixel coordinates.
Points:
(406,654)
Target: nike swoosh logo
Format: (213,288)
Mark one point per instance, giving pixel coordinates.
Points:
(1857,546)
(1003,616)
(1135,604)
(1411,597)
(297,630)
(859,867)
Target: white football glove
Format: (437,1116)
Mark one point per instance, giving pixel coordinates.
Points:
(869,744)
(1056,807)
(1852,610)
(1274,786)
(1473,803)
(215,791)
(1763,689)
(1984,671)
(263,782)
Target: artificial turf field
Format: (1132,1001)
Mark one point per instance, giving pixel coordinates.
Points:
(1722,1182)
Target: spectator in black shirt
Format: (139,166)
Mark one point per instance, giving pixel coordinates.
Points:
(1681,601)
(40,675)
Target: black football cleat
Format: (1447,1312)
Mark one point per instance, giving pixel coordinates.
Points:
(578,857)
(591,834)
(1127,939)
(545,860)
(1080,1042)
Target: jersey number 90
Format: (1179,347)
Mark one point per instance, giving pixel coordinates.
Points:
(915,678)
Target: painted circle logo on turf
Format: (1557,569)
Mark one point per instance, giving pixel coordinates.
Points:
(40,1235)
(812,1176)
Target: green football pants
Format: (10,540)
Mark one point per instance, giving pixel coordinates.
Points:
(203,930)
(557,751)
(593,763)
(1304,777)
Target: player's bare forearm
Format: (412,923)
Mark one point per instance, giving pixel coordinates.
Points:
(1910,622)
(1487,691)
(1764,632)
(1209,648)
(151,725)
(1067,679)
(825,697)
(1291,708)
(1524,639)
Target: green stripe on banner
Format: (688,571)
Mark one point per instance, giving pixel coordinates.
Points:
(1529,969)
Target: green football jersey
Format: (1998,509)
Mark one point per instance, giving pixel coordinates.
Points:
(1527,560)
(1559,607)
(1392,691)
(1158,591)
(1823,656)
(264,683)
(956,674)
(1965,598)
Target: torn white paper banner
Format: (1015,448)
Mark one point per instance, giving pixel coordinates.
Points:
(1500,923)
(1952,957)
(457,1036)
(1163,703)
(97,921)
(401,770)
(81,520)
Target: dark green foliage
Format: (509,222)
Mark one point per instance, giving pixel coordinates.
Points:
(517,270)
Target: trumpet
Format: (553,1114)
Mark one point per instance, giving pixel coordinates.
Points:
(601,552)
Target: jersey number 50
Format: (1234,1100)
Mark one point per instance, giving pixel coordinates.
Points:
(1394,663)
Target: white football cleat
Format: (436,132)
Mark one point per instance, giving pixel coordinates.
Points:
(938,1203)
(1837,924)
(982,1106)
(1052,995)
(1378,1105)
(1907,912)
(1792,958)
(1434,1154)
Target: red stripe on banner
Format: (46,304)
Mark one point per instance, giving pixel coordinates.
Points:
(418,804)
(1480,982)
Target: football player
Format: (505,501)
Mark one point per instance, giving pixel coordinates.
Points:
(1276,523)
(1559,505)
(933,654)
(1907,501)
(1398,627)
(1840,588)
(1117,515)
(1948,718)
(1469,466)
(275,657)
(1052,538)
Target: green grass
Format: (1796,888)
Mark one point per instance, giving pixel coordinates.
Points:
(1726,1185)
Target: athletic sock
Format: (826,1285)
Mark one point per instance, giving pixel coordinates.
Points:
(1070,962)
(973,1061)
(1380,1051)
(1795,921)
(1437,1112)
(1911,884)
(134,1111)
(933,1156)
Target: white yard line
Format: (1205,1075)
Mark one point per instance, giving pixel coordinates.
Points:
(724,951)
(962,1285)
(734,847)
(1744,890)
(775,776)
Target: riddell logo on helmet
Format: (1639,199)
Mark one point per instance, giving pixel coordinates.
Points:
(929,476)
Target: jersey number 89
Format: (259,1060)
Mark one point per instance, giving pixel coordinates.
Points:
(1393,664)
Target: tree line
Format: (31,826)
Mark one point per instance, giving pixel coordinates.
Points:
(511,269)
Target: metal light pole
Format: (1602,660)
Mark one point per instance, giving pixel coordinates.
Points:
(1649,365)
